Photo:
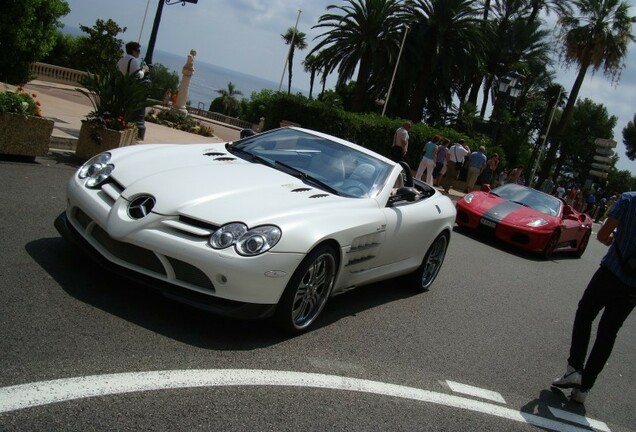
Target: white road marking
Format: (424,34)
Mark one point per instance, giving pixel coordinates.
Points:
(475,391)
(46,392)
(579,419)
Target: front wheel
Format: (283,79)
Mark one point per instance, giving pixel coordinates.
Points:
(307,291)
(552,243)
(426,273)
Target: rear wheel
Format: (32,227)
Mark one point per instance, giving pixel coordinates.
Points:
(426,273)
(583,244)
(307,291)
(551,245)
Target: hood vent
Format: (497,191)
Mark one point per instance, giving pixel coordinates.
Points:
(224,159)
(214,154)
(319,196)
(302,189)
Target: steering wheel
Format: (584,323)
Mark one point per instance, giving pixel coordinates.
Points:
(354,187)
(409,174)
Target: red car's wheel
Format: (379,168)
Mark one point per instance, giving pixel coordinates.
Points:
(552,243)
(583,244)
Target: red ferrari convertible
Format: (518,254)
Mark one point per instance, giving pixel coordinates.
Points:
(526,218)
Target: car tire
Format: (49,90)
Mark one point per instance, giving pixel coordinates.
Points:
(551,245)
(583,245)
(426,273)
(307,291)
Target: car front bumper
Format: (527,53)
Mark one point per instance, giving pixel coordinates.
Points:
(528,239)
(209,303)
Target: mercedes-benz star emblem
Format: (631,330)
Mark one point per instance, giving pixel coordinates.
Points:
(141,206)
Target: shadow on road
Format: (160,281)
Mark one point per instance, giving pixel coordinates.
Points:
(510,249)
(552,398)
(86,281)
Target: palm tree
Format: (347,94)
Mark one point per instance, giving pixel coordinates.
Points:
(561,7)
(228,98)
(296,40)
(445,34)
(598,37)
(312,66)
(362,34)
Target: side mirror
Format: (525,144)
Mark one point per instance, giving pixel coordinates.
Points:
(486,188)
(567,210)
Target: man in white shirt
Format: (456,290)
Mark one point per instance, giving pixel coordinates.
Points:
(130,63)
(457,153)
(400,142)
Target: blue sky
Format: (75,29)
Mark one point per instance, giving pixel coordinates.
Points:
(244,35)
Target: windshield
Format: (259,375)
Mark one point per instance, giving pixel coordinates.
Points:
(528,197)
(317,161)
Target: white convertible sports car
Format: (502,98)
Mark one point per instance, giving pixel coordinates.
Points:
(270,225)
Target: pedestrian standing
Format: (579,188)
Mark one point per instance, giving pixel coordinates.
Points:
(515,174)
(456,154)
(476,164)
(400,142)
(129,64)
(611,289)
(440,161)
(428,160)
(547,185)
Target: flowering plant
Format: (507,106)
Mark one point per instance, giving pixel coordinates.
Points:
(20,102)
(108,121)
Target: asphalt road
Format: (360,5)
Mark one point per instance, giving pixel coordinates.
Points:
(477,352)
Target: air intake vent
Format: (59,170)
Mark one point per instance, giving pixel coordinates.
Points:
(224,159)
(301,190)
(213,154)
(319,196)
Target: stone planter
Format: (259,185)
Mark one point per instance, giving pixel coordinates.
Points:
(25,135)
(94,140)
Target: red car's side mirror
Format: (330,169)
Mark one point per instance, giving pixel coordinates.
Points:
(486,188)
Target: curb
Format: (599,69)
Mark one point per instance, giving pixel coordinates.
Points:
(63,143)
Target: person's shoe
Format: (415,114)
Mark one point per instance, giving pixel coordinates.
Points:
(570,379)
(579,395)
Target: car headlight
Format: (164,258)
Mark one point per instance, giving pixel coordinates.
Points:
(468,197)
(537,223)
(247,242)
(97,170)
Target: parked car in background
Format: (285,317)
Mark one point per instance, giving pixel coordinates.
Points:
(526,218)
(270,225)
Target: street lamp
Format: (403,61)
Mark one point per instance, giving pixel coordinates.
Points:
(155,25)
(397,62)
(508,87)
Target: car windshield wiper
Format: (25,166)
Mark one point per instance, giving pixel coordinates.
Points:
(251,156)
(495,194)
(307,177)
(520,203)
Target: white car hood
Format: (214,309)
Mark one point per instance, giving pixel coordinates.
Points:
(219,188)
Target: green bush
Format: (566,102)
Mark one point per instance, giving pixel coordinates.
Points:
(371,131)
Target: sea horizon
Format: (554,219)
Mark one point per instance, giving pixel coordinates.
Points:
(208,77)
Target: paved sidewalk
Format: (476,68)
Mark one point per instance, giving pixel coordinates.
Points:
(67,107)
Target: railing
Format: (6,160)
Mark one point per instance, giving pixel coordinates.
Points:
(62,75)
(222,118)
(56,74)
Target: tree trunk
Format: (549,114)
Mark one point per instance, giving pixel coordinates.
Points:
(289,68)
(565,119)
(359,93)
